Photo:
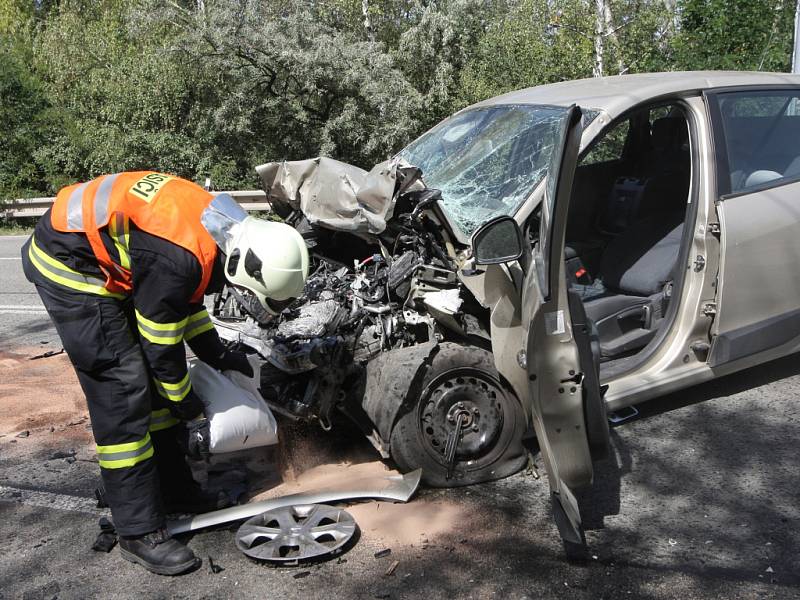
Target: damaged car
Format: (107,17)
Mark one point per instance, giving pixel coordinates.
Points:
(538,262)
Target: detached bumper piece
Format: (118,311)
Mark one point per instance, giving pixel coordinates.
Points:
(397,488)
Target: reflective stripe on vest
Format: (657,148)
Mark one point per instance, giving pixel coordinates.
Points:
(198,323)
(162,419)
(117,456)
(58,272)
(102,197)
(174,391)
(75,207)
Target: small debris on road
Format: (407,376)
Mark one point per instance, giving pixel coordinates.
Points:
(64,454)
(213,568)
(23,434)
(301,574)
(390,571)
(769,570)
(47,354)
(383,553)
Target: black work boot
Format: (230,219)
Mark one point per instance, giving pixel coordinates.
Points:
(193,499)
(158,552)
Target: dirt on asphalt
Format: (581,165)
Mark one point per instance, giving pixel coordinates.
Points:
(42,397)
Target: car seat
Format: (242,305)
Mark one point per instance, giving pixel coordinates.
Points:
(636,271)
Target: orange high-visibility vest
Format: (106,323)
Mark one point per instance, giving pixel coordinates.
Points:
(162,205)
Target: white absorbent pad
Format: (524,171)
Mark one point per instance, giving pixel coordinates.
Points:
(237,414)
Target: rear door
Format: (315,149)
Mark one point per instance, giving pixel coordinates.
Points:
(756,134)
(567,406)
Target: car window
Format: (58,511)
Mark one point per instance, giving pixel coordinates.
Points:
(611,147)
(487,161)
(760,135)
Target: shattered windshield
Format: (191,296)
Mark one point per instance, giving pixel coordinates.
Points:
(486,161)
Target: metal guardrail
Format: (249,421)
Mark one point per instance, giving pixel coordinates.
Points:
(250,200)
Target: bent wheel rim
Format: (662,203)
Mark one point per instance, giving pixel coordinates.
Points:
(488,417)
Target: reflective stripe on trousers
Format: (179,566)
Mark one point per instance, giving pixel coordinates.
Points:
(118,456)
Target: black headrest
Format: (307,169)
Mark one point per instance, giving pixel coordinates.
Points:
(668,132)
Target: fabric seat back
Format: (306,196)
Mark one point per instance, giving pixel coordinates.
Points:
(642,260)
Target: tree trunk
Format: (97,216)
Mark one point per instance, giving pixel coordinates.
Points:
(599,38)
(367,20)
(612,36)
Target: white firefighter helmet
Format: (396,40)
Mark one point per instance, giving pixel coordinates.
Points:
(269,259)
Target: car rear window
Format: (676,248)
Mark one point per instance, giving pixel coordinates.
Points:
(759,132)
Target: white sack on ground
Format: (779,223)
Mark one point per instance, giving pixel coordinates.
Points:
(238,416)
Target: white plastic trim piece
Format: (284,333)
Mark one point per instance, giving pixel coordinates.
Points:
(399,488)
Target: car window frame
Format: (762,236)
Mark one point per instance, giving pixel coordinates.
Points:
(719,146)
(694,121)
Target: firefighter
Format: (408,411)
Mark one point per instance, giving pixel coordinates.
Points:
(122,263)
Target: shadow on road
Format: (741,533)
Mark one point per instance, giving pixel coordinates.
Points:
(26,334)
(705,481)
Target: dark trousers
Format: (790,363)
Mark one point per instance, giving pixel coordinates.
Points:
(100,337)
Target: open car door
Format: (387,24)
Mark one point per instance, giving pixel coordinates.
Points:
(562,356)
(568,410)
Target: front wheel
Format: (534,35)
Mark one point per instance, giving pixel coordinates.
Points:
(461,390)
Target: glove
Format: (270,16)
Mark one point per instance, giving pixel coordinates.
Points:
(187,409)
(231,360)
(196,439)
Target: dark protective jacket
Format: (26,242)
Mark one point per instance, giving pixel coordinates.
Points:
(166,285)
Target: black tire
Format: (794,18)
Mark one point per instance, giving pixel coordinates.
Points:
(460,379)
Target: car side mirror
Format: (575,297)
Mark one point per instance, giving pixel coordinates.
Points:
(498,241)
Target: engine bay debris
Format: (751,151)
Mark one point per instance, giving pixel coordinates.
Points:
(385,282)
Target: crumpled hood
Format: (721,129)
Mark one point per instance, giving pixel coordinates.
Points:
(337,195)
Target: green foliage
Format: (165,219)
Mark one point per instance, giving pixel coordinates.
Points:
(533,44)
(27,121)
(132,103)
(743,35)
(214,88)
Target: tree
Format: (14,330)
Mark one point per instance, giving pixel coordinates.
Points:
(27,126)
(295,87)
(741,35)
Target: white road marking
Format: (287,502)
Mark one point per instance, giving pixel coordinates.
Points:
(23,306)
(22,309)
(10,258)
(52,500)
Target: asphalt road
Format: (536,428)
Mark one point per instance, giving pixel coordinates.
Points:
(23,321)
(701,500)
